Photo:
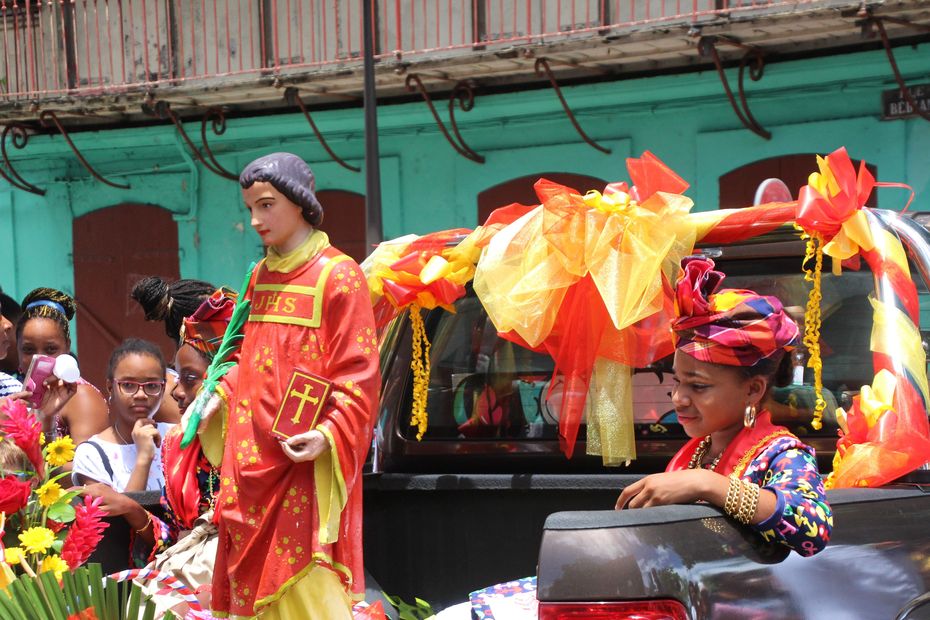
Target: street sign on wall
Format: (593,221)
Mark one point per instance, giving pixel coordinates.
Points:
(895,105)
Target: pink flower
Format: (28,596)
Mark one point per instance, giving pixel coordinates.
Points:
(697,284)
(24,429)
(85,532)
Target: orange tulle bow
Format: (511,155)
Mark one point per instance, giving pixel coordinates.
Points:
(831,205)
(429,271)
(884,435)
(419,272)
(583,277)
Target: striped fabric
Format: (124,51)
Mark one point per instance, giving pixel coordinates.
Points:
(9,385)
(730,327)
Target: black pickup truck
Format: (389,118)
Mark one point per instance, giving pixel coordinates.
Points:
(486,496)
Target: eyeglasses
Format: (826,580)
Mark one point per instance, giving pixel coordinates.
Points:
(150,388)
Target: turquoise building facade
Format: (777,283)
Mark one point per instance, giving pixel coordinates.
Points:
(810,106)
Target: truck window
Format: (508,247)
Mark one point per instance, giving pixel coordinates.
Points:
(483,387)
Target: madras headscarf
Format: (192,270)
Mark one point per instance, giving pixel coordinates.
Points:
(204,329)
(731,327)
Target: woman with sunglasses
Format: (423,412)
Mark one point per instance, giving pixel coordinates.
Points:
(126,454)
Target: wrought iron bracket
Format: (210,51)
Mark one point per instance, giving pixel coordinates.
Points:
(464,94)
(44,117)
(20,138)
(543,69)
(878,23)
(162,109)
(218,119)
(754,58)
(292,96)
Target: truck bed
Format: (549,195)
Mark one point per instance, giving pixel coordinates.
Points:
(877,561)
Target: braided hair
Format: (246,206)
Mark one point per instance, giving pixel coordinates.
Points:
(47,303)
(171,303)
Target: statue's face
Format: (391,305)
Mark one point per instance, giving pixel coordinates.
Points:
(276,219)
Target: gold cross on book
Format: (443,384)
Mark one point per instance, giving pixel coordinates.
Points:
(304,399)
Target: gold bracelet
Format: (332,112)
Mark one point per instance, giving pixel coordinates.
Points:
(733,493)
(148,522)
(749,501)
(744,503)
(756,490)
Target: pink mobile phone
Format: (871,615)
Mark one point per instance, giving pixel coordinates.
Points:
(40,368)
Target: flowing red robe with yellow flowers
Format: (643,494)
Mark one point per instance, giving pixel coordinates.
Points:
(279,519)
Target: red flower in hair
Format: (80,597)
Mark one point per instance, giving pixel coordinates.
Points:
(85,533)
(14,494)
(24,429)
(697,284)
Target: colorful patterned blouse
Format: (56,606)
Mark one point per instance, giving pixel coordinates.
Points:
(802,519)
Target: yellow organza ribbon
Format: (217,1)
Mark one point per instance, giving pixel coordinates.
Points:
(528,266)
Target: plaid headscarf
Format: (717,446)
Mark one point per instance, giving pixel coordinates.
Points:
(204,329)
(730,327)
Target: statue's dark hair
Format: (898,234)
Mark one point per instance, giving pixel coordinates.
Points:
(170,302)
(290,175)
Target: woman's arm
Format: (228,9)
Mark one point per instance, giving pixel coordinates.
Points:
(802,518)
(687,486)
(86,414)
(149,534)
(88,468)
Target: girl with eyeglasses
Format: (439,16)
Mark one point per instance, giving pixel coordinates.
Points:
(126,454)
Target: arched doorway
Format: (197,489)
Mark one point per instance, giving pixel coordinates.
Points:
(738,187)
(521,190)
(344,221)
(114,248)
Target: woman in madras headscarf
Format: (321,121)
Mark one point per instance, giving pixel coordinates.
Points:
(731,349)
(184,542)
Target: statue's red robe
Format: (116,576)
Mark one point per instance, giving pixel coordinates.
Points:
(278,519)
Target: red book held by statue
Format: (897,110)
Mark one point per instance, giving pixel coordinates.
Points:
(304,399)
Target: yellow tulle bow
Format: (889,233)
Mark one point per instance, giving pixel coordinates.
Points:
(878,398)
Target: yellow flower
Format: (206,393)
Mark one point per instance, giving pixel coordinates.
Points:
(41,439)
(59,451)
(48,493)
(37,539)
(55,564)
(13,555)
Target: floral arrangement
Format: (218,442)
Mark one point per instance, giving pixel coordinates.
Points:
(42,528)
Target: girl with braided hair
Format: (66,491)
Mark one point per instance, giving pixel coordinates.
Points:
(183,542)
(43,329)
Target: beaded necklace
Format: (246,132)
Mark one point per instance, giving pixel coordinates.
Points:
(699,454)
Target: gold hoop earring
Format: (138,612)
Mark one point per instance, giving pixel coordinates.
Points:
(749,416)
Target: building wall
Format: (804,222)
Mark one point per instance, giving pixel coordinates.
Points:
(809,106)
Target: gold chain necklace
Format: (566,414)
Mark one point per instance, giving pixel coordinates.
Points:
(699,454)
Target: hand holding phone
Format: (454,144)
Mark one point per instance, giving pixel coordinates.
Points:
(44,366)
(40,368)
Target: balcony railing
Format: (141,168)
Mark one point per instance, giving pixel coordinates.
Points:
(92,47)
